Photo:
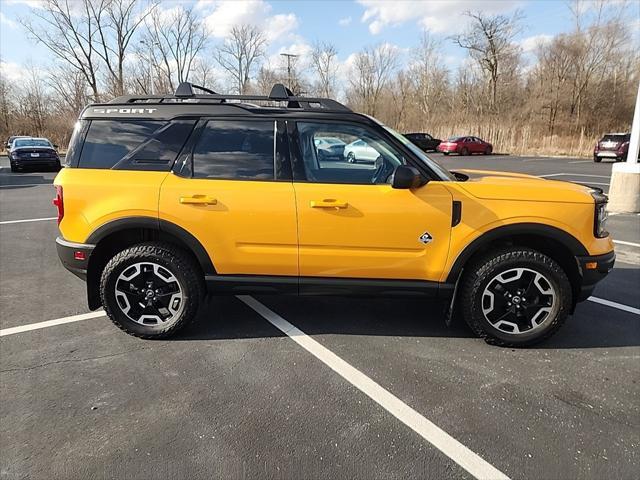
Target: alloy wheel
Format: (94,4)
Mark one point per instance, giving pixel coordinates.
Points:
(149,294)
(518,300)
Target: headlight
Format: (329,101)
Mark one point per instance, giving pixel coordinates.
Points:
(600,215)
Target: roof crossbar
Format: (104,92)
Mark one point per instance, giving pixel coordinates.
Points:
(279,93)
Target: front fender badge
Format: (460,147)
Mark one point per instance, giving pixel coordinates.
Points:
(425,238)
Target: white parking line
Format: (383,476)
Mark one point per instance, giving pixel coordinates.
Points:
(51,323)
(623,242)
(7,222)
(581,161)
(573,175)
(617,305)
(440,439)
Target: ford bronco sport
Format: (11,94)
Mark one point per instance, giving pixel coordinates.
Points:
(166,198)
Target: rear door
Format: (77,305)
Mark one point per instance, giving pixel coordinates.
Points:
(232,190)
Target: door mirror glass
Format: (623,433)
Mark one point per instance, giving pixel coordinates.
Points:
(405,177)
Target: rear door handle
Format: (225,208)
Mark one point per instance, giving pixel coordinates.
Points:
(329,203)
(198,200)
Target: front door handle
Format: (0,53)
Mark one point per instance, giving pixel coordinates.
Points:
(198,200)
(328,203)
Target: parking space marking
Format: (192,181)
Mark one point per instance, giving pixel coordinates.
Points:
(619,306)
(437,437)
(50,323)
(27,220)
(581,161)
(623,242)
(573,175)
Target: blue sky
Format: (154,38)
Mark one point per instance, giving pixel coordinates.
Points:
(350,25)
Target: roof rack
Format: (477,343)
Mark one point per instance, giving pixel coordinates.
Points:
(279,93)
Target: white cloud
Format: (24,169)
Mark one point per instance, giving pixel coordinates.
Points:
(345,22)
(4,20)
(530,44)
(13,72)
(223,15)
(29,3)
(439,16)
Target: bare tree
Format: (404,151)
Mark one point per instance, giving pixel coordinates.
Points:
(67,28)
(430,78)
(203,73)
(372,69)
(68,88)
(489,40)
(239,54)
(116,22)
(175,39)
(325,66)
(265,80)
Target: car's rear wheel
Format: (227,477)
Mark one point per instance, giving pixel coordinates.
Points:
(151,290)
(464,152)
(515,297)
(445,153)
(597,159)
(351,158)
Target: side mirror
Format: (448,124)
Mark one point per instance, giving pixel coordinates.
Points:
(55,146)
(405,177)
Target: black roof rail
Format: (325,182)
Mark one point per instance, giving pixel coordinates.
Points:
(279,93)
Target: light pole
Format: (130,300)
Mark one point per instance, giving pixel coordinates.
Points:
(289,56)
(150,46)
(624,193)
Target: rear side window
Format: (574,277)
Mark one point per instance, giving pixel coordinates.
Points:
(231,150)
(134,144)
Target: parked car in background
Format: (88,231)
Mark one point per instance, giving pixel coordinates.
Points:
(329,148)
(11,139)
(423,140)
(465,146)
(30,152)
(612,145)
(360,151)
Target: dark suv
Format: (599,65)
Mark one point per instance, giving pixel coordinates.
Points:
(423,140)
(612,145)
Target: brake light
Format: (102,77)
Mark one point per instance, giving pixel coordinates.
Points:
(58,202)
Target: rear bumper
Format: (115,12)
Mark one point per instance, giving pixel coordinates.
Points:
(74,256)
(34,163)
(590,275)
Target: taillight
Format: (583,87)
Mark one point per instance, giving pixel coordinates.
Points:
(58,202)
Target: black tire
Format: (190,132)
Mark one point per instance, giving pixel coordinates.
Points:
(445,153)
(169,258)
(464,152)
(351,158)
(14,169)
(482,273)
(488,151)
(597,159)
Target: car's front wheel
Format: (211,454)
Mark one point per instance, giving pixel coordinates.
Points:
(515,297)
(464,152)
(151,290)
(597,159)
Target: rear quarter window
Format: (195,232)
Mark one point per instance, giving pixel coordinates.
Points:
(133,144)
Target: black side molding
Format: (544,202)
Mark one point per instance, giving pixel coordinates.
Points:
(456,212)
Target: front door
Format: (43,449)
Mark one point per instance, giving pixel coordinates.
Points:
(233,192)
(353,224)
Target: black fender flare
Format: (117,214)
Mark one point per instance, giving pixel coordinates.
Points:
(162,227)
(518,229)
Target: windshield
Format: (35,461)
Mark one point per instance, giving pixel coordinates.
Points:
(432,164)
(32,142)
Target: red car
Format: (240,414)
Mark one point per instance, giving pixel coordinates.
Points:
(614,146)
(465,146)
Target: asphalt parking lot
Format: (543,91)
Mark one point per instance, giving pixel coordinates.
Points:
(377,388)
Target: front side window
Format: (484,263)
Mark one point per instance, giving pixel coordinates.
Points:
(235,150)
(357,155)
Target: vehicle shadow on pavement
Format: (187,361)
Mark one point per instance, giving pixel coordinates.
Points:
(223,318)
(23,181)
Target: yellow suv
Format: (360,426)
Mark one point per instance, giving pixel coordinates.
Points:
(166,198)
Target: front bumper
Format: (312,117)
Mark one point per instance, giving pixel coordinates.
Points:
(74,256)
(593,269)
